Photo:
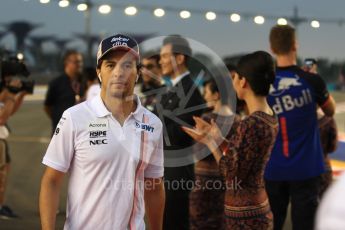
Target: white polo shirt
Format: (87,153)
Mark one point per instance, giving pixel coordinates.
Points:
(107,164)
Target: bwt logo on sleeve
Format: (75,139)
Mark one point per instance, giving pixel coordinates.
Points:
(144,127)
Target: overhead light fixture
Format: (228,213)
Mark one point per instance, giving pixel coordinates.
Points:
(259,20)
(63,3)
(131,10)
(82,7)
(104,9)
(185,14)
(159,12)
(282,21)
(210,16)
(235,17)
(44,1)
(315,24)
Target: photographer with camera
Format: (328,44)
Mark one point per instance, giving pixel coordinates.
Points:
(14,85)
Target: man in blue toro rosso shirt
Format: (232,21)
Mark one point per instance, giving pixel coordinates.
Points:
(292,173)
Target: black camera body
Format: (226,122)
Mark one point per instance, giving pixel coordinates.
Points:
(309,62)
(12,69)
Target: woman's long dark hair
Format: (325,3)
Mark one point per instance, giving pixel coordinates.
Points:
(259,70)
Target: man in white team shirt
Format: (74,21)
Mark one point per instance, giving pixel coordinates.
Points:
(112,149)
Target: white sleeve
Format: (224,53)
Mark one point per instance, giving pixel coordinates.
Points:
(61,148)
(155,167)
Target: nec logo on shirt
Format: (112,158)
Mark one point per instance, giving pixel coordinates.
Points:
(144,127)
(99,142)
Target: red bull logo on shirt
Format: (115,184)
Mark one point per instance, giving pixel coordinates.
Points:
(287,103)
(285,84)
(290,101)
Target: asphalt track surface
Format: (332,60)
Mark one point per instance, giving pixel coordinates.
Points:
(28,142)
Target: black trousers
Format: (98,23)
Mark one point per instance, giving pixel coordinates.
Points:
(304,198)
(176,213)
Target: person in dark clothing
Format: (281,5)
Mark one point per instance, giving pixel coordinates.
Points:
(176,107)
(152,82)
(296,163)
(65,90)
(207,202)
(329,141)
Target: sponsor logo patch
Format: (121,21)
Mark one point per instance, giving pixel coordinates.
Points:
(99,142)
(98,134)
(144,127)
(98,125)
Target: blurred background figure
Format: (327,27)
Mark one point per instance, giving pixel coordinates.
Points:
(151,80)
(328,134)
(329,141)
(93,87)
(341,80)
(174,55)
(65,90)
(14,85)
(207,202)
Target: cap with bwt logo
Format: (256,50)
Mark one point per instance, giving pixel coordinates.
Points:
(117,42)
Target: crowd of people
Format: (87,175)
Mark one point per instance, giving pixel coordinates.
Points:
(124,147)
(268,153)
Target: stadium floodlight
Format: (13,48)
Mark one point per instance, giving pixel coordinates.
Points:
(63,3)
(235,17)
(131,10)
(210,16)
(282,21)
(104,9)
(315,24)
(185,14)
(259,20)
(159,12)
(82,7)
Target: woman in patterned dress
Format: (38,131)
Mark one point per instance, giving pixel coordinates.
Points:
(242,158)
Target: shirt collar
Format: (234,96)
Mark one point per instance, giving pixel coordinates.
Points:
(139,111)
(179,78)
(98,107)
